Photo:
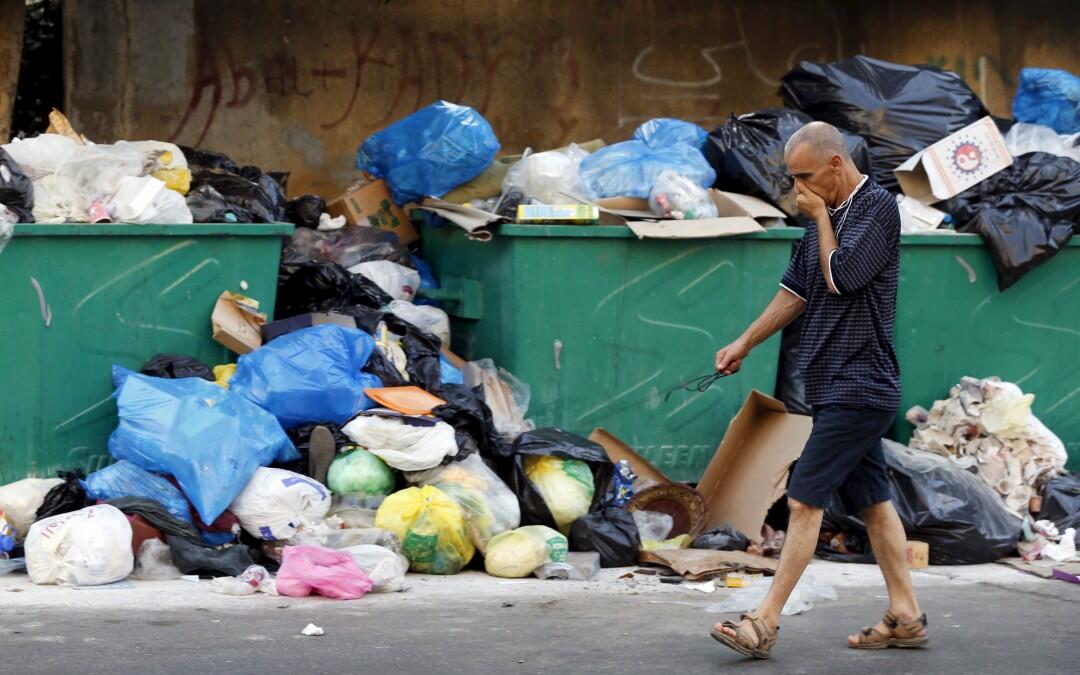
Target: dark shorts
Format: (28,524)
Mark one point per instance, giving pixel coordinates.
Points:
(844,455)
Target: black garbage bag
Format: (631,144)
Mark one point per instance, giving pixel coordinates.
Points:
(725,538)
(954,511)
(176,366)
(64,498)
(16,189)
(790,386)
(304,211)
(325,287)
(191,558)
(1061,501)
(207,205)
(898,109)
(557,443)
(611,532)
(380,366)
(275,192)
(1025,213)
(155,513)
(243,193)
(474,427)
(199,160)
(748,154)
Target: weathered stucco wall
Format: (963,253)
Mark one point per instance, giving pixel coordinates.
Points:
(297,85)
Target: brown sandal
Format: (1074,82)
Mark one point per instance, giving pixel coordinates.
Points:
(905,634)
(743,642)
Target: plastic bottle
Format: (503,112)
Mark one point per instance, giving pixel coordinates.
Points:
(253,579)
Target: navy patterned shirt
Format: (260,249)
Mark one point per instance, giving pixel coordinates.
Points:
(846,348)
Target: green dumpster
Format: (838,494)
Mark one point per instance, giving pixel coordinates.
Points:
(952,321)
(602,325)
(79,298)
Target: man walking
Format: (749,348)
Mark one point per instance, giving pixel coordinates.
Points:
(843,276)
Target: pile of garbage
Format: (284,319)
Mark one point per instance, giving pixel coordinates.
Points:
(987,426)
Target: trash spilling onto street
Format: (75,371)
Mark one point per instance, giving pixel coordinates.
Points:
(345,445)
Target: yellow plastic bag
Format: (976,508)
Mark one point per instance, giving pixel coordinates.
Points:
(565,484)
(224,373)
(517,553)
(681,541)
(431,527)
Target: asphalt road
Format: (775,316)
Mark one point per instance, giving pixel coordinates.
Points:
(982,629)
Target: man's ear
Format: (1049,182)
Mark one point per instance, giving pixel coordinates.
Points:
(835,162)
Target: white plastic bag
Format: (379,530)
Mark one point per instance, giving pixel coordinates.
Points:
(88,547)
(398,281)
(20,501)
(385,567)
(276,503)
(676,196)
(41,155)
(802,599)
(425,317)
(402,442)
(155,562)
(80,188)
(551,177)
(1023,138)
(506,396)
(490,507)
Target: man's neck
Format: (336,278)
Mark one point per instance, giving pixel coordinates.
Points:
(852,178)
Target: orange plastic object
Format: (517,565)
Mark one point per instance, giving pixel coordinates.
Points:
(408,400)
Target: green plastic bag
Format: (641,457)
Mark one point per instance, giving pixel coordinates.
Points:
(358,472)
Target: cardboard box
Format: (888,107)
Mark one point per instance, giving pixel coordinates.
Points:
(236,322)
(918,555)
(749,471)
(370,205)
(737,214)
(473,221)
(281,327)
(647,474)
(955,163)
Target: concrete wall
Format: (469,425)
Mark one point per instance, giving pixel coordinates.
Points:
(297,85)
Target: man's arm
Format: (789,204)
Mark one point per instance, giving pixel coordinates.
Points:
(781,310)
(826,247)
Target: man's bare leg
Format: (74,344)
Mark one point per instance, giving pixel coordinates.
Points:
(890,549)
(804,525)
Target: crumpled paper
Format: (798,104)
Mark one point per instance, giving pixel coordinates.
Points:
(987,425)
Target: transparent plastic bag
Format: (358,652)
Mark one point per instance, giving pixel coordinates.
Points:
(386,568)
(348,246)
(490,506)
(653,525)
(353,536)
(397,281)
(630,168)
(802,599)
(155,562)
(675,196)
(82,186)
(431,527)
(43,154)
(427,318)
(518,553)
(506,396)
(550,177)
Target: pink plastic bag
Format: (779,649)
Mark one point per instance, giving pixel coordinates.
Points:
(314,569)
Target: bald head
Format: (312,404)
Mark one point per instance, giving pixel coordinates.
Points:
(822,139)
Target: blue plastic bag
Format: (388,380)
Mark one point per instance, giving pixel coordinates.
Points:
(430,152)
(630,168)
(126,479)
(309,375)
(427,280)
(448,374)
(1049,97)
(666,131)
(207,437)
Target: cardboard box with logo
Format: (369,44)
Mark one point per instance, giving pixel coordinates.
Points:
(370,205)
(955,163)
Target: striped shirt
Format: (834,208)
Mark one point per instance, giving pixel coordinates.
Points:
(846,348)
